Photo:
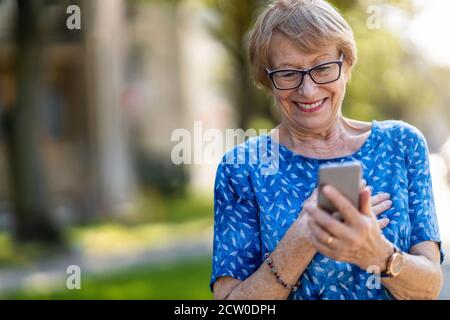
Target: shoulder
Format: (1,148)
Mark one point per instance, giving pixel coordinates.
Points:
(238,164)
(397,126)
(245,154)
(405,140)
(400,132)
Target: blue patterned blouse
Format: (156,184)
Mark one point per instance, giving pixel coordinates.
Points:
(253,209)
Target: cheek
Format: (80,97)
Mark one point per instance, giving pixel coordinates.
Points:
(282,98)
(281,95)
(338,92)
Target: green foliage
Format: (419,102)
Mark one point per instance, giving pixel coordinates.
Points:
(152,206)
(391,79)
(25,254)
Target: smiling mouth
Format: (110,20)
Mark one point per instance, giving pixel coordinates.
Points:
(311,107)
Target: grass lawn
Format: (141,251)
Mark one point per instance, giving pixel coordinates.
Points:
(181,280)
(157,221)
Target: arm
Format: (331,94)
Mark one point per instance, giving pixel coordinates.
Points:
(291,257)
(421,275)
(237,269)
(359,241)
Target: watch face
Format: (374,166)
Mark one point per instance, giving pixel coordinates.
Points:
(397,264)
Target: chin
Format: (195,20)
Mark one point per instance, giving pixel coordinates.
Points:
(312,126)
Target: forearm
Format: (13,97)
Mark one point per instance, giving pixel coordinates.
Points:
(420,278)
(291,257)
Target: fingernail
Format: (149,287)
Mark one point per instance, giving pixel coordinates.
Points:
(326,189)
(389,202)
(387,194)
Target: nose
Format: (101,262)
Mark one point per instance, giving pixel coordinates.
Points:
(308,87)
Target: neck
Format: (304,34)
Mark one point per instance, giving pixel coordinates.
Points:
(327,141)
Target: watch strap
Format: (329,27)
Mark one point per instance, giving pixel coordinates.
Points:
(388,272)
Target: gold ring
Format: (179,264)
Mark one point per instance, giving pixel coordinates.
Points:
(329,240)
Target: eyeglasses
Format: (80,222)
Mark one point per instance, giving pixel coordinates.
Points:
(288,79)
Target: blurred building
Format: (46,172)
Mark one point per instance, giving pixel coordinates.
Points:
(84,141)
(114,92)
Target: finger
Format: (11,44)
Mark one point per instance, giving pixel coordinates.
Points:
(362,184)
(381,207)
(327,222)
(321,247)
(314,194)
(364,202)
(321,235)
(342,204)
(382,223)
(336,215)
(380,197)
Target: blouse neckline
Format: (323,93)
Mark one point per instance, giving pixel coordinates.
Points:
(295,155)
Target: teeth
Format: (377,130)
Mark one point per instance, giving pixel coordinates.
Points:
(310,106)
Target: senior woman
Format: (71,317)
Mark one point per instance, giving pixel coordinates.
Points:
(271,240)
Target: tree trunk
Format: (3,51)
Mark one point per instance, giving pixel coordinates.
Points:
(31,198)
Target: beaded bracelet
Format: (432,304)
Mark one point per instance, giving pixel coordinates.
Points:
(274,271)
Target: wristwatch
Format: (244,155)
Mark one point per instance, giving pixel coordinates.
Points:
(394,264)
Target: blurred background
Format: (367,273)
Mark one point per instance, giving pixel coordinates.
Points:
(89,100)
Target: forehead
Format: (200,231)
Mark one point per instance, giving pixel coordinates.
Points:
(285,52)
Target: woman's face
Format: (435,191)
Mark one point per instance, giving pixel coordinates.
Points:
(296,104)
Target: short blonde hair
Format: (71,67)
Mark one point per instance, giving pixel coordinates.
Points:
(313,24)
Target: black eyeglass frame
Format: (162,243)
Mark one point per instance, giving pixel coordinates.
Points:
(307,71)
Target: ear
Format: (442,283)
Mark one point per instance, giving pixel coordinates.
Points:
(348,77)
(345,76)
(346,72)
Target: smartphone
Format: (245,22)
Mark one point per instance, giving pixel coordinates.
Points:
(345,177)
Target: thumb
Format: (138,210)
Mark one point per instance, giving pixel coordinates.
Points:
(365,202)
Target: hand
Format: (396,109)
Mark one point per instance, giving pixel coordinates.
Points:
(302,219)
(358,239)
(380,203)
